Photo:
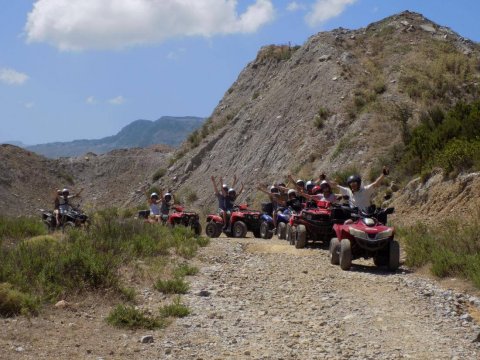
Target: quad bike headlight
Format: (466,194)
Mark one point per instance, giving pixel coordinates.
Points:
(385,234)
(357,233)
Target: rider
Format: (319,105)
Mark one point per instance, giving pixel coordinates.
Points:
(359,195)
(322,192)
(229,205)
(294,201)
(276,199)
(61,203)
(165,205)
(153,203)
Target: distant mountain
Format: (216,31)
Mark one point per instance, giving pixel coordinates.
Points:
(167,130)
(16,143)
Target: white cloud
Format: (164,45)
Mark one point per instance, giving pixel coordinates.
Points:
(91,100)
(174,55)
(294,6)
(29,105)
(115,24)
(12,77)
(324,10)
(119,100)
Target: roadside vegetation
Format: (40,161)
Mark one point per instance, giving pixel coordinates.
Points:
(36,269)
(451,248)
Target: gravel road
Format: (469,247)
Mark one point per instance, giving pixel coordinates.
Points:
(264,299)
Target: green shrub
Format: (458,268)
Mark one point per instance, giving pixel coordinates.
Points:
(177,309)
(159,174)
(185,270)
(172,286)
(452,247)
(47,268)
(320,117)
(20,228)
(130,318)
(14,302)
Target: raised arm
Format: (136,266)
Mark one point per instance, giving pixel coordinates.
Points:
(235,180)
(385,172)
(241,190)
(214,184)
(291,179)
(307,196)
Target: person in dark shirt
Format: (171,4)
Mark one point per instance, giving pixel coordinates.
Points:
(294,201)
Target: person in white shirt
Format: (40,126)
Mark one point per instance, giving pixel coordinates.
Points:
(359,195)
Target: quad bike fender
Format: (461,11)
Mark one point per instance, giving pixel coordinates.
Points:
(215,218)
(266,218)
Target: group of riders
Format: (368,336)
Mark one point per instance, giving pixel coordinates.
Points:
(300,193)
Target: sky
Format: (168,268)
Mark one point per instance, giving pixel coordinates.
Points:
(83,69)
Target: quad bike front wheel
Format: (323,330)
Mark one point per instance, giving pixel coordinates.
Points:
(281,230)
(293,235)
(197,228)
(239,229)
(334,251)
(301,240)
(394,255)
(265,232)
(211,230)
(345,259)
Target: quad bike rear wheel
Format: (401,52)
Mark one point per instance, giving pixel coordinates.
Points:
(239,229)
(281,230)
(301,240)
(394,255)
(334,251)
(265,232)
(345,259)
(211,229)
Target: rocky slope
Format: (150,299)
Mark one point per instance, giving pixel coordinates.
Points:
(28,181)
(167,130)
(334,103)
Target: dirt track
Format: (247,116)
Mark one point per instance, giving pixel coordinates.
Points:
(261,299)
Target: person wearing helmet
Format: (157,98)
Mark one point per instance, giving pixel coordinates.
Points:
(276,199)
(300,186)
(230,199)
(294,201)
(154,205)
(322,192)
(359,195)
(309,187)
(165,204)
(62,203)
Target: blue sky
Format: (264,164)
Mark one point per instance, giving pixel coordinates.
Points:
(74,69)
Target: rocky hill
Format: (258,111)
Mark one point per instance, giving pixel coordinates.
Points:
(28,181)
(167,130)
(342,101)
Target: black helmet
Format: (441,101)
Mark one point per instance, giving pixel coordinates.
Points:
(281,184)
(354,178)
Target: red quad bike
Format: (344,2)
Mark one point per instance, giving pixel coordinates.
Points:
(366,237)
(316,223)
(186,218)
(178,217)
(242,220)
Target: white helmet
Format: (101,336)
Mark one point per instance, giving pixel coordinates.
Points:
(167,196)
(291,191)
(154,194)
